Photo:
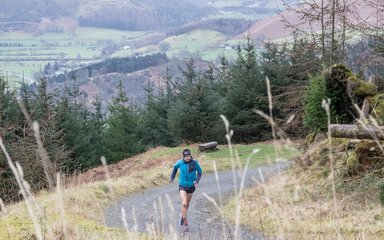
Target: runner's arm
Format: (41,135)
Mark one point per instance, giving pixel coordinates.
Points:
(199,172)
(174,171)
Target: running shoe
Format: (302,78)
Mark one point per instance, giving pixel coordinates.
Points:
(181,222)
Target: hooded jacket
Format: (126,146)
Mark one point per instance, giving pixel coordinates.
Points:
(190,172)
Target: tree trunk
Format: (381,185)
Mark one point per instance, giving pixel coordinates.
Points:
(355,131)
(207,146)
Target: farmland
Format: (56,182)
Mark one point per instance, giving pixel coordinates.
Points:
(22,54)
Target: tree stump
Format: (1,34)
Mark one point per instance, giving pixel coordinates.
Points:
(207,146)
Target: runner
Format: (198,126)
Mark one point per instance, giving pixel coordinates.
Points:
(190,174)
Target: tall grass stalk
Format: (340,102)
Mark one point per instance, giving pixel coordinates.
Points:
(161,214)
(325,104)
(25,191)
(2,207)
(172,230)
(270,106)
(277,150)
(135,227)
(47,165)
(228,137)
(61,205)
(220,196)
(219,209)
(238,190)
(240,194)
(156,221)
(124,219)
(107,177)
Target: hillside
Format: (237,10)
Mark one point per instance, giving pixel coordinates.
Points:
(71,34)
(277,25)
(76,209)
(294,204)
(100,80)
(128,15)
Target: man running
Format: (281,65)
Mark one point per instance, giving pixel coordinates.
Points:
(190,174)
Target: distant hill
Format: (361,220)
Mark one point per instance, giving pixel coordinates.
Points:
(131,15)
(35,10)
(101,79)
(274,27)
(76,33)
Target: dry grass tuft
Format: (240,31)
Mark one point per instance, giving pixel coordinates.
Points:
(298,205)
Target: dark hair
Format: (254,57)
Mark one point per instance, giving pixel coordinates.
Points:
(186,152)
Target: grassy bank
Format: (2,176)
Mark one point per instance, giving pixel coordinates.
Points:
(75,210)
(308,203)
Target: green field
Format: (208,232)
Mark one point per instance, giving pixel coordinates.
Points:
(207,44)
(24,54)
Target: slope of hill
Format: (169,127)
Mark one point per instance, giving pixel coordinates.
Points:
(75,210)
(296,204)
(97,80)
(35,34)
(276,26)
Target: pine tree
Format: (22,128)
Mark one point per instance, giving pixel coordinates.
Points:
(10,133)
(288,67)
(121,135)
(246,92)
(82,128)
(155,130)
(53,153)
(315,117)
(194,115)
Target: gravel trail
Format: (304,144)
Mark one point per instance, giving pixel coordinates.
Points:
(157,210)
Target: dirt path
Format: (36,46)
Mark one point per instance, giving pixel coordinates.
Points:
(157,210)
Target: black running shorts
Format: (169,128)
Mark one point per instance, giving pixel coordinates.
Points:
(187,189)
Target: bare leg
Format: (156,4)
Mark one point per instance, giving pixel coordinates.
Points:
(189,197)
(184,203)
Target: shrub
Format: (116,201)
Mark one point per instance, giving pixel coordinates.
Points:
(315,117)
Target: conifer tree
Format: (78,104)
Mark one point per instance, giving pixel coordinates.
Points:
(194,115)
(246,92)
(53,145)
(77,123)
(155,130)
(315,118)
(121,136)
(10,133)
(288,67)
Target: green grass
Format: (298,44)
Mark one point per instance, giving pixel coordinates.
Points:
(36,51)
(195,40)
(106,33)
(243,152)
(86,43)
(207,44)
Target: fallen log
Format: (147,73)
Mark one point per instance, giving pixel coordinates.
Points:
(207,146)
(357,131)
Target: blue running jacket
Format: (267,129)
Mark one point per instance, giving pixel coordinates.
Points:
(190,172)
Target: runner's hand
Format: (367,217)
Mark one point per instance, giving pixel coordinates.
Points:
(171,180)
(196,184)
